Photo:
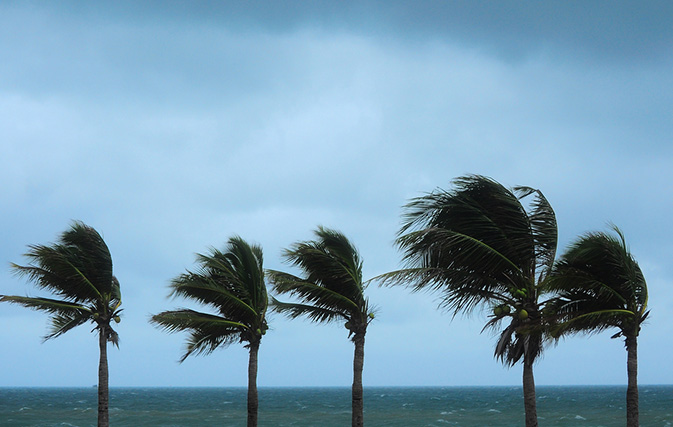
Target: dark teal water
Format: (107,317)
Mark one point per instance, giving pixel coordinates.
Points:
(326,407)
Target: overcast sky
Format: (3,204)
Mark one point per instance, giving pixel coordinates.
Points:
(171,126)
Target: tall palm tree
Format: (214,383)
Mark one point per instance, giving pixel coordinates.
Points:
(331,289)
(600,286)
(480,245)
(232,283)
(78,271)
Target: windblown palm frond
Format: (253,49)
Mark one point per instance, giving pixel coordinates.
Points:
(477,245)
(313,313)
(330,262)
(207,332)
(480,235)
(544,229)
(77,268)
(312,293)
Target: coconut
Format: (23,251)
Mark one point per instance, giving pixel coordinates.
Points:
(117,319)
(523,314)
(498,311)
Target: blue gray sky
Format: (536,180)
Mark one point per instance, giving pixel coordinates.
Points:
(171,126)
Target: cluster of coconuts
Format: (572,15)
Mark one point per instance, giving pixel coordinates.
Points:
(504,310)
(262,331)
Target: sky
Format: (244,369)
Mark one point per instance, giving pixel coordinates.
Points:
(171,126)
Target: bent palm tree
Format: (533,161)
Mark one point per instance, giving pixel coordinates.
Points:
(332,289)
(232,283)
(78,270)
(479,245)
(600,286)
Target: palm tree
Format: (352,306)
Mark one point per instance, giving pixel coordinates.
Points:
(78,271)
(232,283)
(331,289)
(479,245)
(600,286)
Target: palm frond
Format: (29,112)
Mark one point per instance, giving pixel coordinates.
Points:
(185,319)
(115,294)
(508,349)
(592,322)
(544,229)
(460,261)
(112,337)
(324,266)
(204,342)
(207,331)
(77,268)
(240,265)
(482,209)
(231,301)
(45,304)
(312,293)
(313,313)
(62,322)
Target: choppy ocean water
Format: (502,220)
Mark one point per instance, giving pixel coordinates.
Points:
(326,407)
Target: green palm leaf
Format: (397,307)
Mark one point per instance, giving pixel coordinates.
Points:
(313,313)
(311,293)
(207,332)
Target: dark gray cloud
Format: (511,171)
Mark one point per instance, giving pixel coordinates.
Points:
(613,31)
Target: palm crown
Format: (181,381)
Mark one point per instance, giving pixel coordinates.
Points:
(479,244)
(232,283)
(78,270)
(332,287)
(599,286)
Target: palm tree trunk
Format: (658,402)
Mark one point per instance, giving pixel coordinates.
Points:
(529,403)
(632,388)
(103,380)
(358,364)
(253,401)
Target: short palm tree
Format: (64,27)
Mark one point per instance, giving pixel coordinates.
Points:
(331,289)
(232,283)
(479,245)
(600,286)
(78,271)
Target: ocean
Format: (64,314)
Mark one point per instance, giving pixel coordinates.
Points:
(327,407)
